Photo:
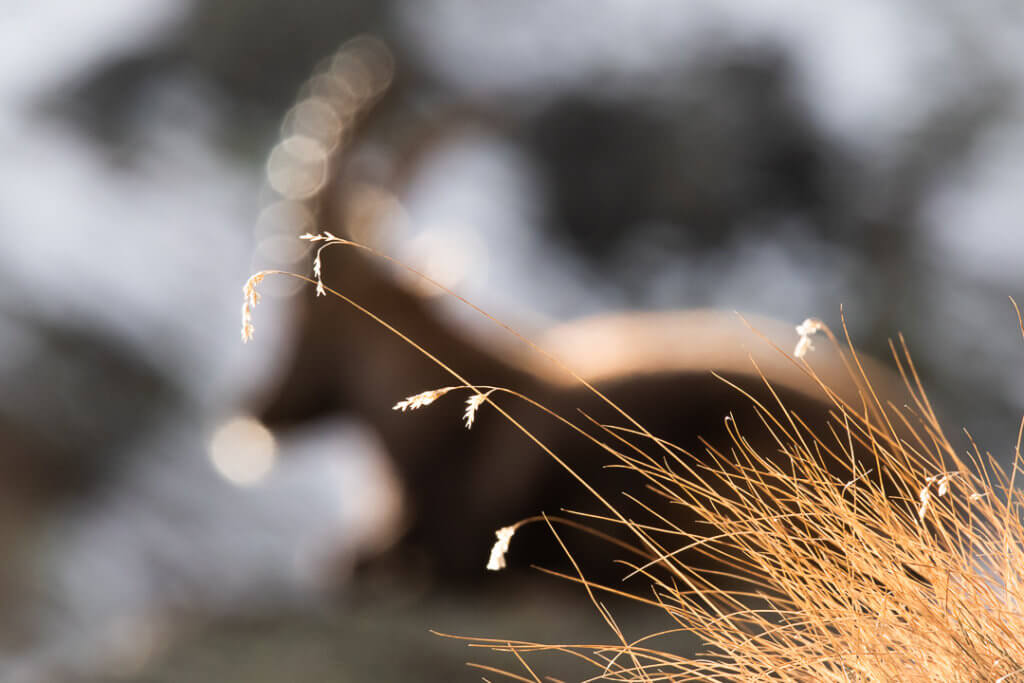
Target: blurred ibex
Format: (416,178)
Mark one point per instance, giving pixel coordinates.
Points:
(460,485)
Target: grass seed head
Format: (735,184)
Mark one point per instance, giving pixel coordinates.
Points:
(251,297)
(496,562)
(808,328)
(473,403)
(421,399)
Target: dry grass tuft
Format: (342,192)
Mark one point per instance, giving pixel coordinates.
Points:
(911,568)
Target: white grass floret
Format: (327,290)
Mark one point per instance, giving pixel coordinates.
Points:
(496,562)
(473,403)
(421,399)
(808,328)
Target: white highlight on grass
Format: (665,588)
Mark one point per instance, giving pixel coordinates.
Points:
(942,481)
(251,298)
(243,451)
(806,329)
(497,560)
(473,404)
(421,399)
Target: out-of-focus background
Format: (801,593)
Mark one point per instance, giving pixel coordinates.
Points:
(777,157)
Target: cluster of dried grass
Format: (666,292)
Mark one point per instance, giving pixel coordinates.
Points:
(839,566)
(873,552)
